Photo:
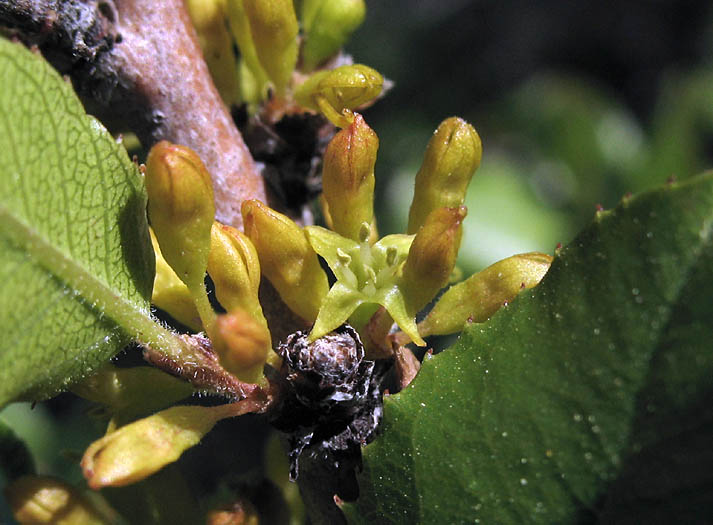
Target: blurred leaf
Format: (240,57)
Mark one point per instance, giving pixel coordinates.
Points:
(162,499)
(562,121)
(15,458)
(490,235)
(77,265)
(601,372)
(682,123)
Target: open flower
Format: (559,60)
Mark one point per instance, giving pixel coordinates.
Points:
(366,275)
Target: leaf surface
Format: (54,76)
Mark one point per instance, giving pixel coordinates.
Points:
(587,397)
(76,264)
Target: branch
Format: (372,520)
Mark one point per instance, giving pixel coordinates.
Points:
(138,66)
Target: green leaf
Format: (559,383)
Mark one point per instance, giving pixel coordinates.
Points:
(588,394)
(76,263)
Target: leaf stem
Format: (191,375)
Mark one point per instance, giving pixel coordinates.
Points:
(133,317)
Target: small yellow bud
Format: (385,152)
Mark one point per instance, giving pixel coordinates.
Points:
(328,24)
(348,178)
(42,499)
(273,25)
(432,256)
(252,77)
(170,293)
(286,258)
(481,295)
(252,89)
(452,156)
(132,391)
(181,209)
(242,345)
(209,18)
(234,266)
(338,91)
(137,450)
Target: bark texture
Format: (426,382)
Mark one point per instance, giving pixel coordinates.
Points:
(138,66)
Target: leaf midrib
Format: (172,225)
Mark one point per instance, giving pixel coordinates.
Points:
(135,320)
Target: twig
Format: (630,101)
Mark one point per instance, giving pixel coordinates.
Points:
(138,66)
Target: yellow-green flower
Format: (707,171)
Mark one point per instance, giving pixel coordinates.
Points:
(366,275)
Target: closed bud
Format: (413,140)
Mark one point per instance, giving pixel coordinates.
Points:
(348,178)
(273,25)
(432,256)
(137,450)
(477,298)
(42,499)
(338,91)
(286,258)
(242,344)
(252,77)
(328,24)
(132,391)
(181,209)
(234,266)
(171,294)
(452,156)
(253,89)
(209,19)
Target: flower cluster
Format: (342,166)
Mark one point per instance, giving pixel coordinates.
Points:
(377,283)
(276,60)
(374,290)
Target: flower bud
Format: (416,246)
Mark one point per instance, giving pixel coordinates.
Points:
(234,266)
(432,256)
(273,25)
(170,294)
(348,178)
(481,295)
(209,19)
(335,91)
(181,209)
(252,77)
(328,24)
(137,450)
(242,344)
(452,156)
(253,89)
(42,499)
(286,258)
(132,391)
